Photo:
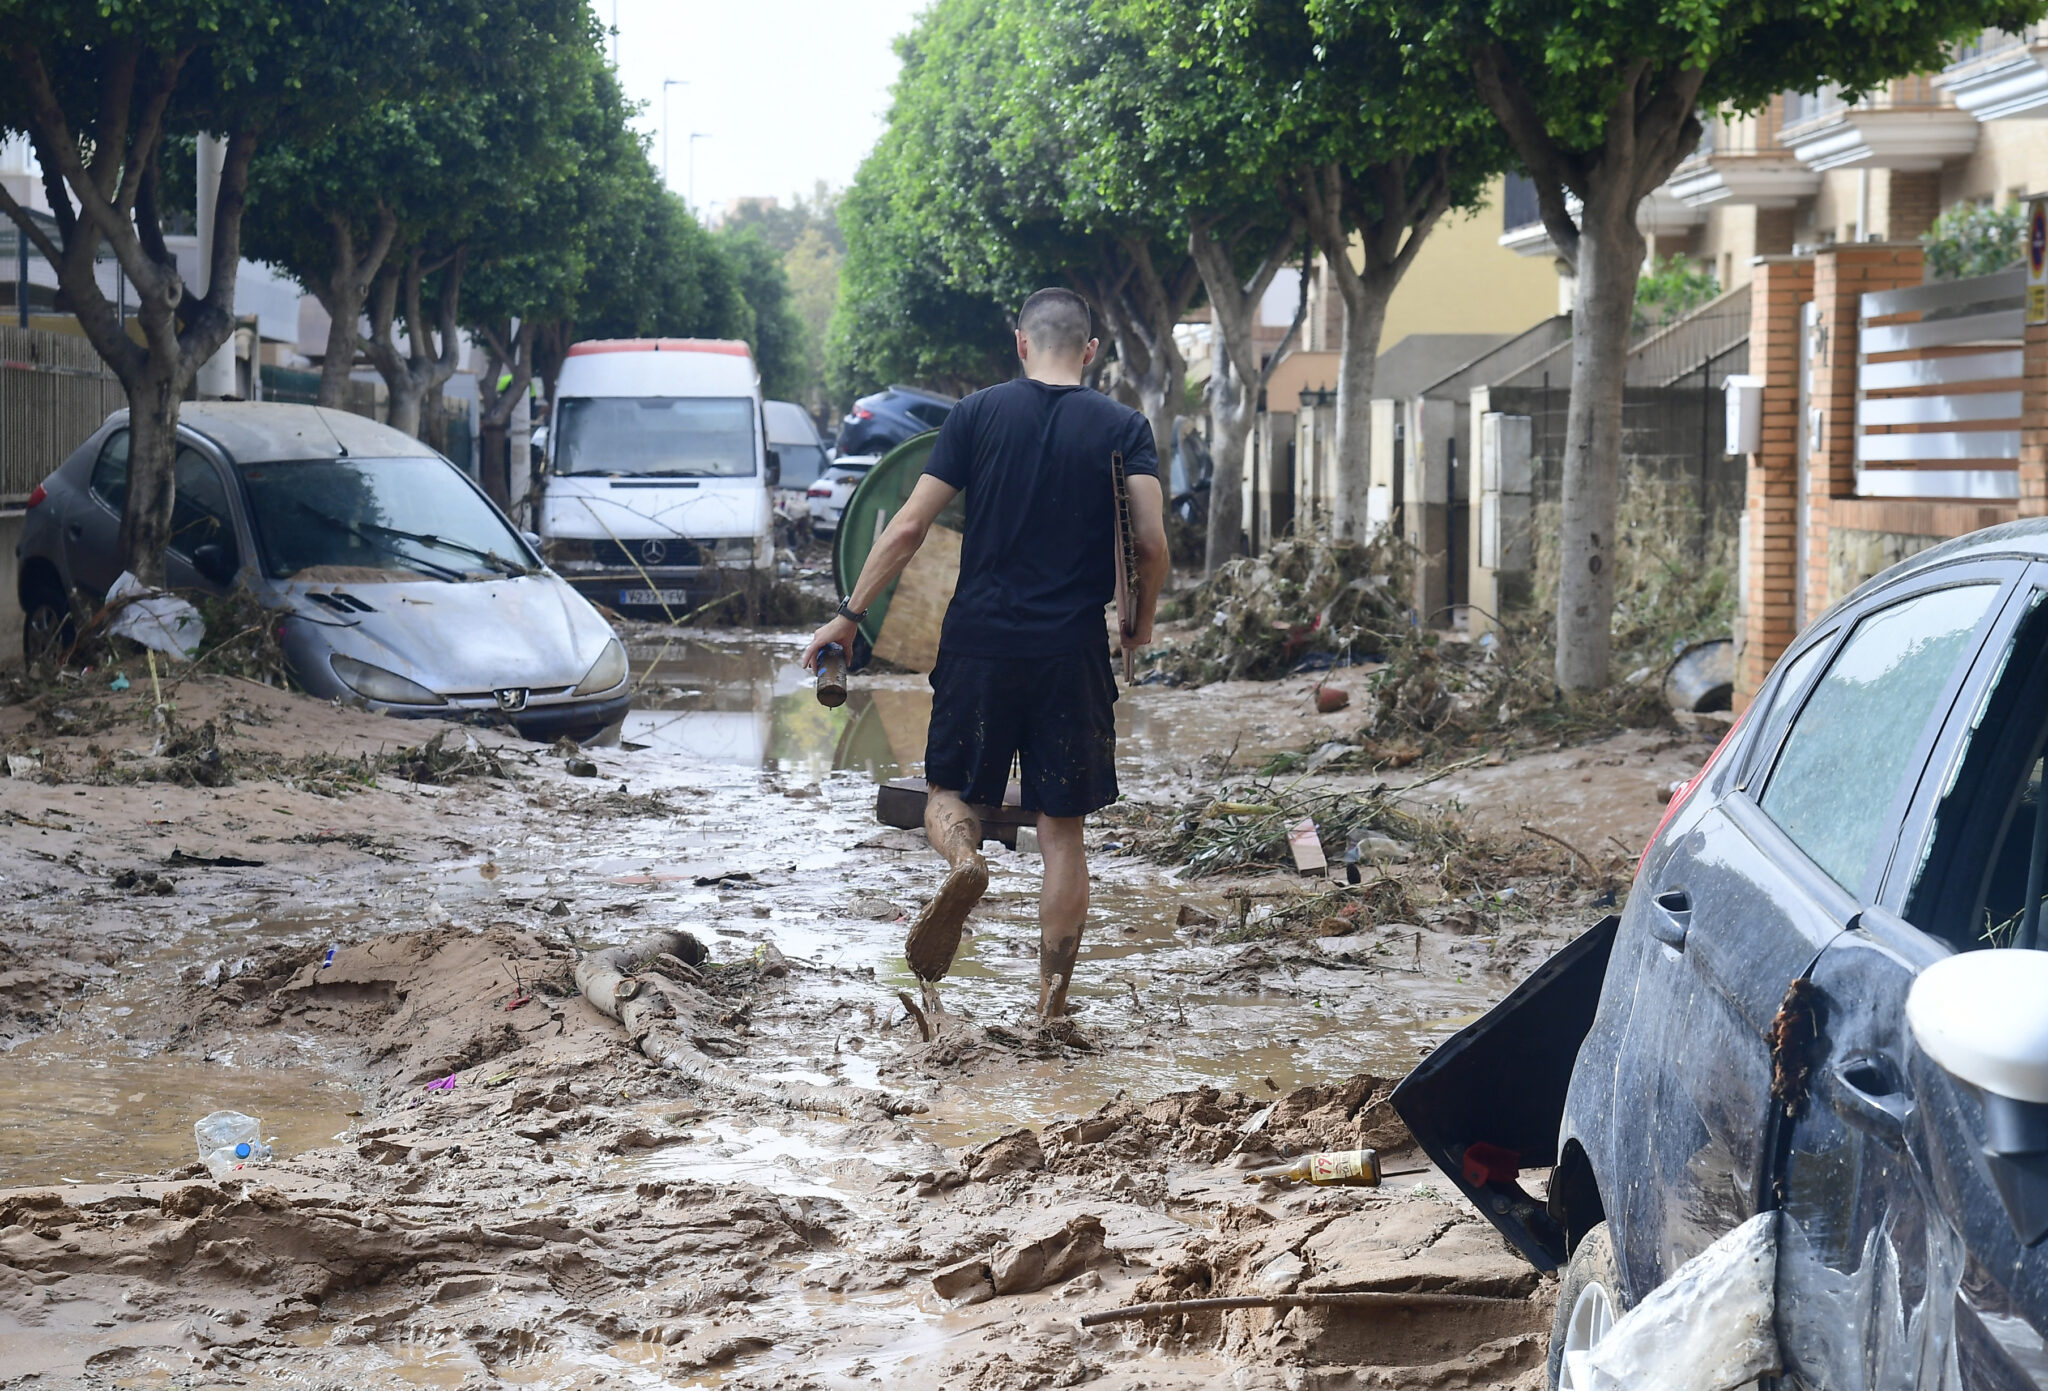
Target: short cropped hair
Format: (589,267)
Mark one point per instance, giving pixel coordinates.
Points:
(1056,321)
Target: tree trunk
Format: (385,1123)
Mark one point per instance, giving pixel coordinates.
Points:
(1236,376)
(1232,409)
(493,472)
(344,306)
(152,453)
(1610,261)
(1365,313)
(403,412)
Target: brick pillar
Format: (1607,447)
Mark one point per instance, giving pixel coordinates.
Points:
(1780,286)
(2034,424)
(1842,275)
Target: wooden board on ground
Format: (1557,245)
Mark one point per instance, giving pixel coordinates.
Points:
(910,630)
(900,803)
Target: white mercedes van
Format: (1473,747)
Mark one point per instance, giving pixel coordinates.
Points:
(659,472)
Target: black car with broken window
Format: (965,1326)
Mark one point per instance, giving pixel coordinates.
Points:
(1827,996)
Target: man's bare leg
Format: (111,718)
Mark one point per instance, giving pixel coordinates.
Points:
(1062,908)
(955,832)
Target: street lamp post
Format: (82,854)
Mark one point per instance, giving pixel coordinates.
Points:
(666,83)
(691,197)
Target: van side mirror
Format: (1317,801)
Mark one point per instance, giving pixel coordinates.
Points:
(539,438)
(774,467)
(213,562)
(1978,1017)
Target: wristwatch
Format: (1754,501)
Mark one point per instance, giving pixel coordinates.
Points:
(855,617)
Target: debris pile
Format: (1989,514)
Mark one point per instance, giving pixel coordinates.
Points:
(1307,601)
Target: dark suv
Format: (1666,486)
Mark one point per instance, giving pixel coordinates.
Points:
(1825,998)
(878,423)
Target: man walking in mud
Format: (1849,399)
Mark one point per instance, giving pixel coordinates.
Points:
(1023,667)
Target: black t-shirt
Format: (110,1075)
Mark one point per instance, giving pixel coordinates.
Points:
(1037,561)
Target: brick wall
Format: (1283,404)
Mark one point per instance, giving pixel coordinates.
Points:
(1780,286)
(2034,425)
(1842,275)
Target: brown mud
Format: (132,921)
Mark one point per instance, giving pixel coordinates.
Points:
(565,1213)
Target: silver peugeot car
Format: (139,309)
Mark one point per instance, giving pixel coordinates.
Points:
(401,586)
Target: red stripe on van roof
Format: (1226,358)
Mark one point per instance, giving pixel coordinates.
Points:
(729,347)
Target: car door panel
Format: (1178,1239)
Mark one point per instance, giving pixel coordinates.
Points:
(92,532)
(1875,1251)
(1856,1249)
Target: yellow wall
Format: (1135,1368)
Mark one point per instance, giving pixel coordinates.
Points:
(1465,281)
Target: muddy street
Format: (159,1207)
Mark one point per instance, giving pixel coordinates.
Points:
(367,933)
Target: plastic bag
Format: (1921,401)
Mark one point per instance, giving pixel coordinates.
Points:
(156,620)
(1708,1328)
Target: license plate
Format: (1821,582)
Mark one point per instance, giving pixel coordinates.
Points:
(651,597)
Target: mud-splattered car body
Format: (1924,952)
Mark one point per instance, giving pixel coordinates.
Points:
(401,587)
(1871,813)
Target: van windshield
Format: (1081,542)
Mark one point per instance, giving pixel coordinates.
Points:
(655,436)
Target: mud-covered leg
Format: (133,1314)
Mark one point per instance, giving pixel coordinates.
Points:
(955,832)
(1062,908)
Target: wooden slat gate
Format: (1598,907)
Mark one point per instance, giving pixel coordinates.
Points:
(1938,390)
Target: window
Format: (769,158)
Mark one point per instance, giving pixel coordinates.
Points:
(656,436)
(801,464)
(354,520)
(110,473)
(199,511)
(1853,743)
(1784,700)
(928,413)
(1970,885)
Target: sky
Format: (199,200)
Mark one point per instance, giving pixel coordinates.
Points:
(785,92)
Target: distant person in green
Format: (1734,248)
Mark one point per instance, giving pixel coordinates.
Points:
(1023,668)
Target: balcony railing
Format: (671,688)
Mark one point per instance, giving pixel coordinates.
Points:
(1804,108)
(1725,134)
(1991,43)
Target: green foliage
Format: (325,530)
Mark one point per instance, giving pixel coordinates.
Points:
(784,227)
(778,334)
(1672,288)
(1971,239)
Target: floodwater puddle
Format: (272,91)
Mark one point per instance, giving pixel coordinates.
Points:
(749,702)
(78,1112)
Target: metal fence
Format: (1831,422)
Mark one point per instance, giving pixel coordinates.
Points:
(54,391)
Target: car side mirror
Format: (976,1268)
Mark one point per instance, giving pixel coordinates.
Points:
(774,467)
(1978,1016)
(213,562)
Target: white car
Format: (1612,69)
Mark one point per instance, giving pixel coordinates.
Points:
(830,494)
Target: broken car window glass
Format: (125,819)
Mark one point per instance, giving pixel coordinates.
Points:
(656,436)
(1850,748)
(346,515)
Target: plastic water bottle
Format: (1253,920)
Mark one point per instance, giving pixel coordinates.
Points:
(229,1140)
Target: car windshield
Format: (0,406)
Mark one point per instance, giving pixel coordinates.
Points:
(801,464)
(355,520)
(656,436)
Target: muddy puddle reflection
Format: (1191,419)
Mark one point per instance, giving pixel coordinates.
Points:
(750,703)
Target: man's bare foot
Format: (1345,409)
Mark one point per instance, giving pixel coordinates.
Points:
(935,936)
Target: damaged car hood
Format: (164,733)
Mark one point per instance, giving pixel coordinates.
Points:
(459,637)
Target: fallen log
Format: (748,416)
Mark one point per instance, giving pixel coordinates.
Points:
(651,985)
(1342,1299)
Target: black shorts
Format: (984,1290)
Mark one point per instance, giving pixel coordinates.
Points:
(1057,712)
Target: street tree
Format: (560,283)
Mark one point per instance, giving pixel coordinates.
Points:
(1372,145)
(1160,126)
(776,333)
(99,87)
(1600,100)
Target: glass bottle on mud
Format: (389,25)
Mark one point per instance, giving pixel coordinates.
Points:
(1358,1168)
(831,676)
